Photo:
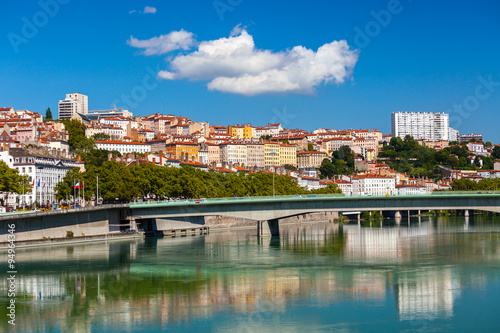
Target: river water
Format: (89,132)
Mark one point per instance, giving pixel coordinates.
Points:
(428,274)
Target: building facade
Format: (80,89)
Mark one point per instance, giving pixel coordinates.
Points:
(310,159)
(288,154)
(124,147)
(72,104)
(45,169)
(420,125)
(373,185)
(256,155)
(233,153)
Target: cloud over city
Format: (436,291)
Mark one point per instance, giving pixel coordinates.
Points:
(162,44)
(235,65)
(149,10)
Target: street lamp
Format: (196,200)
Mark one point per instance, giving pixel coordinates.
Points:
(273,152)
(97,188)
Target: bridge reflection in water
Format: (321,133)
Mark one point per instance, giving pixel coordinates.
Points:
(235,280)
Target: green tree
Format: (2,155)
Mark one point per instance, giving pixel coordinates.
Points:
(100,137)
(48,114)
(496,152)
(78,142)
(310,147)
(477,162)
(12,182)
(327,169)
(464,184)
(331,188)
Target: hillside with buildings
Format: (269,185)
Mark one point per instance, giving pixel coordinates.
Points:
(421,155)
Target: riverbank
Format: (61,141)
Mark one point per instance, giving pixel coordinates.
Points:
(72,240)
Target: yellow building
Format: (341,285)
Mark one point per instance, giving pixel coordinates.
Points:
(371,155)
(248,132)
(235,131)
(271,154)
(183,150)
(288,154)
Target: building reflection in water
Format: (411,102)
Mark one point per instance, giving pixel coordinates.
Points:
(167,281)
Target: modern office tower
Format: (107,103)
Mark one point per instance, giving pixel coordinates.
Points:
(420,125)
(73,103)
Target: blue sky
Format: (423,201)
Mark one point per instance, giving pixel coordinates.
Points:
(424,56)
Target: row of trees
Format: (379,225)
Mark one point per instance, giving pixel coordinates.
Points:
(464,184)
(157,182)
(410,157)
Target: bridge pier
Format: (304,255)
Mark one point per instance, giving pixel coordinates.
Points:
(466,213)
(268,228)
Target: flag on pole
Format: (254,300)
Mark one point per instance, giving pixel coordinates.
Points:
(38,182)
(77,185)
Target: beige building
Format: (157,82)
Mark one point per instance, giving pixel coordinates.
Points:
(310,159)
(335,144)
(233,153)
(210,153)
(256,155)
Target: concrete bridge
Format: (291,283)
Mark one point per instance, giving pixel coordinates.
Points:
(268,210)
(149,216)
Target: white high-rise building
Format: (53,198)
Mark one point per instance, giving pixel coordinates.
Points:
(454,135)
(421,125)
(73,103)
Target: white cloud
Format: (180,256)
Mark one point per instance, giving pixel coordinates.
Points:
(132,11)
(174,40)
(149,10)
(235,65)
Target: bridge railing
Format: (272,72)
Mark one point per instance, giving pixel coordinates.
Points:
(479,192)
(231,199)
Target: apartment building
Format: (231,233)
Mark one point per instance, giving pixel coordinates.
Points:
(271,154)
(256,155)
(183,150)
(233,153)
(124,147)
(310,159)
(420,125)
(287,154)
(373,185)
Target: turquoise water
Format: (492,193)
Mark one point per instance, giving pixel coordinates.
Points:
(424,275)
